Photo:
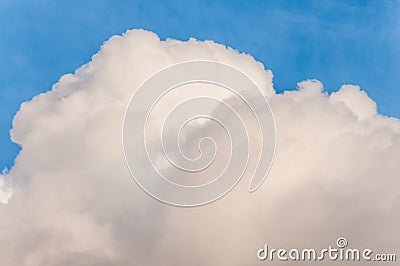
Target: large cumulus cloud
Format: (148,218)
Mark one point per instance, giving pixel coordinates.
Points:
(336,172)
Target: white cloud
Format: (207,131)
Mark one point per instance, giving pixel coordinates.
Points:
(356,100)
(5,190)
(336,172)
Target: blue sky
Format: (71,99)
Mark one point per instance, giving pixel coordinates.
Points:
(336,42)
